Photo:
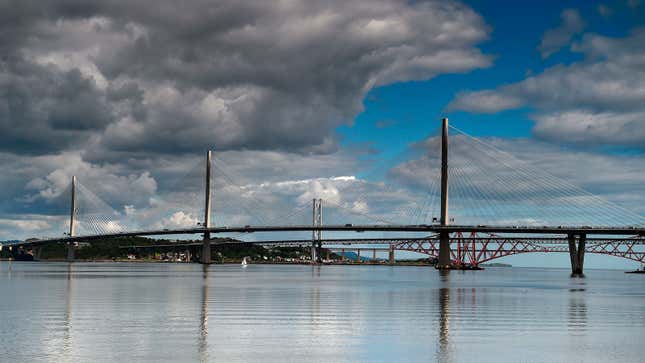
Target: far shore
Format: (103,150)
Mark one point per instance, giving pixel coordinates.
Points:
(230,262)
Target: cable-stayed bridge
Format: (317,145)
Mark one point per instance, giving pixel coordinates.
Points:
(472,205)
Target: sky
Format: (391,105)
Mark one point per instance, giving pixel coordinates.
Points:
(307,99)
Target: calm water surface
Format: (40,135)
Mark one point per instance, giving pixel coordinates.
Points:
(126,312)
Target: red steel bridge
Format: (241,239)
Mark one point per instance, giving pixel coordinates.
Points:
(467,249)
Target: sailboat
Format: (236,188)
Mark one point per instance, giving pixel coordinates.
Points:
(244,263)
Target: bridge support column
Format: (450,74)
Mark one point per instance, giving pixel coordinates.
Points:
(342,255)
(313,252)
(577,254)
(444,261)
(37,252)
(358,255)
(319,252)
(374,255)
(71,251)
(314,209)
(391,255)
(206,245)
(328,255)
(316,235)
(205,257)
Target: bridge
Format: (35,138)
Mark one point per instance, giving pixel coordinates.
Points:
(453,245)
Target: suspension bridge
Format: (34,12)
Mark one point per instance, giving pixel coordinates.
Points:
(499,206)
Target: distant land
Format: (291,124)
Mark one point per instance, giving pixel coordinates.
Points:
(148,249)
(120,249)
(497,264)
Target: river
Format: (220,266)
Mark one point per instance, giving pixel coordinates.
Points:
(153,312)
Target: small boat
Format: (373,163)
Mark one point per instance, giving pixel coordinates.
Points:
(244,263)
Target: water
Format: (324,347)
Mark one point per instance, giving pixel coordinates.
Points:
(275,313)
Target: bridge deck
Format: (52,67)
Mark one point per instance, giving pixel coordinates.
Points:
(508,230)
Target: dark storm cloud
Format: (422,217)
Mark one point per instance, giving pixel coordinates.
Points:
(234,75)
(43,110)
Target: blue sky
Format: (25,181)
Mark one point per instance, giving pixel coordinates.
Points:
(413,109)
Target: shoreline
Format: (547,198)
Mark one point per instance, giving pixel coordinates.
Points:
(229,262)
(400,263)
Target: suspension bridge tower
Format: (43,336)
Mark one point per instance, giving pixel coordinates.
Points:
(444,261)
(72,217)
(206,244)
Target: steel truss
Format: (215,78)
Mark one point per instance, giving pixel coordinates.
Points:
(473,248)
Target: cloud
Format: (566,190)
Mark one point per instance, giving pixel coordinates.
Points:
(319,189)
(383,124)
(138,193)
(597,101)
(556,38)
(25,225)
(104,180)
(485,102)
(179,219)
(114,76)
(41,184)
(360,206)
(44,110)
(591,128)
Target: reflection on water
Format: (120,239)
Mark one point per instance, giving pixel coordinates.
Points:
(444,314)
(203,326)
(170,312)
(577,310)
(67,331)
(314,311)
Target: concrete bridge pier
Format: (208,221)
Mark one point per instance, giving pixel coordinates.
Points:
(316,235)
(358,255)
(71,251)
(391,255)
(444,261)
(37,252)
(319,252)
(205,257)
(313,252)
(577,254)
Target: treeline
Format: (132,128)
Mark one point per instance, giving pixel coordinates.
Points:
(122,247)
